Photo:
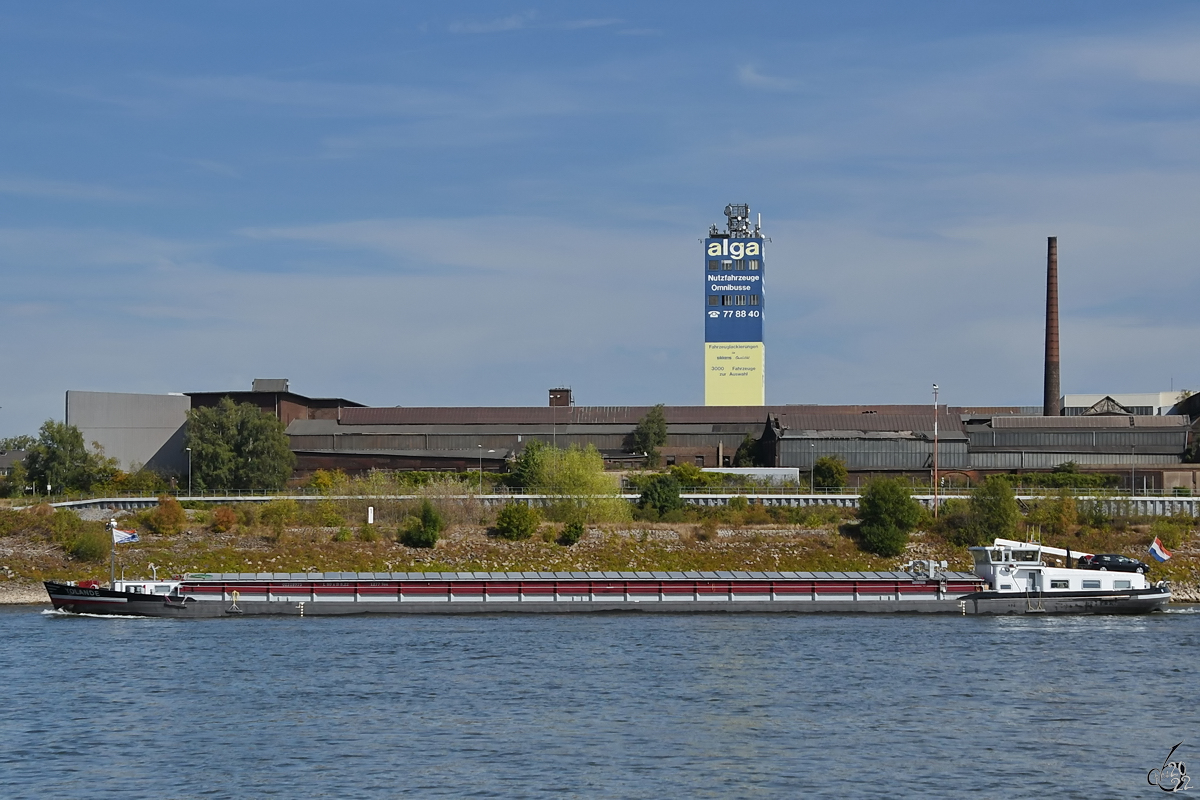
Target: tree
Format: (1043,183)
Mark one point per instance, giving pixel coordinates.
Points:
(661,493)
(576,476)
(517,521)
(60,459)
(237,447)
(888,514)
(423,529)
(650,434)
(751,453)
(994,512)
(830,472)
(22,442)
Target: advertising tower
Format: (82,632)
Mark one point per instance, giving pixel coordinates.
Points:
(734,358)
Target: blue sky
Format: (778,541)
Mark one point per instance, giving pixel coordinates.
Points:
(467,203)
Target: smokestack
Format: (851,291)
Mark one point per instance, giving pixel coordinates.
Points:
(1050,407)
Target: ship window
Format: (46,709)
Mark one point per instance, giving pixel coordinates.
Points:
(1121,584)
(1091,584)
(714,265)
(1004,587)
(714,300)
(1060,584)
(1026,555)
(162,589)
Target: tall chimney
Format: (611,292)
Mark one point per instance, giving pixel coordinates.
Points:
(1050,406)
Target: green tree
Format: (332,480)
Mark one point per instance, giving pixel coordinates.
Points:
(830,472)
(517,521)
(237,447)
(576,475)
(60,459)
(661,493)
(423,529)
(572,532)
(15,482)
(650,434)
(994,512)
(888,514)
(22,442)
(529,465)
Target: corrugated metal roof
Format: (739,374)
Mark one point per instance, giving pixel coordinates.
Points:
(799,425)
(617,415)
(1089,422)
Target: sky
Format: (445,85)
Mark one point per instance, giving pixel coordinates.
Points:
(469,203)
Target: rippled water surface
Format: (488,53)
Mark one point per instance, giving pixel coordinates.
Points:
(624,706)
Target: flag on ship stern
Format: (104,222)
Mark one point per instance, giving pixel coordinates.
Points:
(1159,552)
(128,537)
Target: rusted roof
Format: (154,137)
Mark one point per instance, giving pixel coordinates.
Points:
(1120,421)
(800,426)
(618,415)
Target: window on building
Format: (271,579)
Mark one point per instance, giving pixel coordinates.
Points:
(740,265)
(740,300)
(726,299)
(670,461)
(699,461)
(714,265)
(753,263)
(714,300)
(753,299)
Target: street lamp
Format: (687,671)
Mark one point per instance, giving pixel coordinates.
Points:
(1133,470)
(935,451)
(189,470)
(812,468)
(481,466)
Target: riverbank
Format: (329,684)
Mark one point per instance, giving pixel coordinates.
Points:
(23,592)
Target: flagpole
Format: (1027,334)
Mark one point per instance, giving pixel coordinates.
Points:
(112,554)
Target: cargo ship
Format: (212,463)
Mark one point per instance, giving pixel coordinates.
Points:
(1009,578)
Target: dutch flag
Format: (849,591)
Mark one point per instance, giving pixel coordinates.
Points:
(128,537)
(1159,552)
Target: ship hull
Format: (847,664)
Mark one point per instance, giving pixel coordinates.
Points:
(888,596)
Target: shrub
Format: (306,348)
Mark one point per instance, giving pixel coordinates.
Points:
(324,514)
(572,532)
(168,518)
(277,514)
(517,521)
(423,529)
(223,519)
(888,513)
(344,534)
(661,492)
(1171,531)
(367,533)
(89,546)
(706,531)
(830,472)
(738,504)
(247,514)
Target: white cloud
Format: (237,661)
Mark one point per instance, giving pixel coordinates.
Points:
(749,76)
(513,22)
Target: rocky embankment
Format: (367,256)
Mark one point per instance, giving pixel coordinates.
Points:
(22,592)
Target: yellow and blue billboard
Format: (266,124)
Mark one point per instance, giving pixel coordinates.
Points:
(734,358)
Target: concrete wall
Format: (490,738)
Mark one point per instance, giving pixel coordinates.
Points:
(135,429)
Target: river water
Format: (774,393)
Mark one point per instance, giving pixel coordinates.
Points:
(615,705)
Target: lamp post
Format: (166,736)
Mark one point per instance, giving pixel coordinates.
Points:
(1133,470)
(935,451)
(481,466)
(812,467)
(189,471)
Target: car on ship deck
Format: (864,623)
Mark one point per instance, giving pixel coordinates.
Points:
(1112,562)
